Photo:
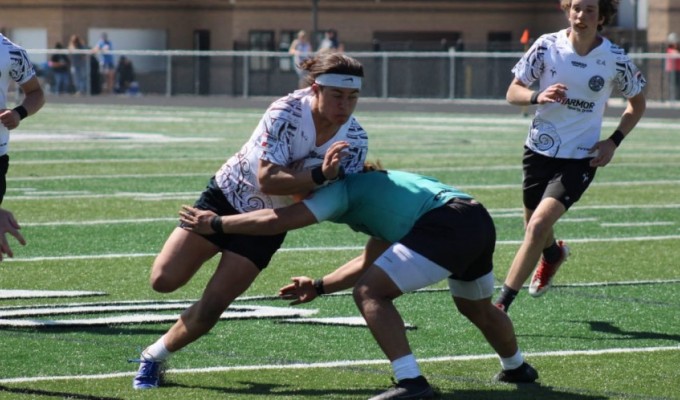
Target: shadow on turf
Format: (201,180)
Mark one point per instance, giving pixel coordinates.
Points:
(258,388)
(30,393)
(522,391)
(608,327)
(527,391)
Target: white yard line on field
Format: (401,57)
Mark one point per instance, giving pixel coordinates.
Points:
(636,224)
(336,248)
(343,363)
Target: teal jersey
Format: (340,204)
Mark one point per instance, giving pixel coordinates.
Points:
(383,204)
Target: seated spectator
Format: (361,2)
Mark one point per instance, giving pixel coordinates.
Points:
(125,76)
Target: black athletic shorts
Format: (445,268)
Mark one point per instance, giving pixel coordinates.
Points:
(258,249)
(563,179)
(459,236)
(4,167)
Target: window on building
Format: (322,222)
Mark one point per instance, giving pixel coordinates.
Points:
(285,39)
(262,41)
(500,41)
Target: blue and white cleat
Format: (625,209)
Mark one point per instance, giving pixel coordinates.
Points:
(150,374)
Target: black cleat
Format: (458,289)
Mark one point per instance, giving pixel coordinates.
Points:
(414,388)
(525,373)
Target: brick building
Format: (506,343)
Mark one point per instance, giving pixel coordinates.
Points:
(361,24)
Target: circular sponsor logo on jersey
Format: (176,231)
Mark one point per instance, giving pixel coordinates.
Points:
(596,83)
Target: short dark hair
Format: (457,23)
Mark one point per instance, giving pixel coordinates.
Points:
(331,63)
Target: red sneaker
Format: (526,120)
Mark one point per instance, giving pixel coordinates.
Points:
(542,279)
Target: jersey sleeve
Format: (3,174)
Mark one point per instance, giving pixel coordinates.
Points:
(275,139)
(629,79)
(21,68)
(358,148)
(328,202)
(529,68)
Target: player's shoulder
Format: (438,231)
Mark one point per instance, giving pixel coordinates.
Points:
(615,50)
(549,39)
(287,107)
(8,44)
(611,53)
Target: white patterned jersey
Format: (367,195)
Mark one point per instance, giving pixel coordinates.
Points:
(14,65)
(285,136)
(568,129)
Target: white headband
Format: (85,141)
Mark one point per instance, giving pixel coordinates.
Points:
(339,80)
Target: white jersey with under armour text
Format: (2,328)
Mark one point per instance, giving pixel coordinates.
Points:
(570,128)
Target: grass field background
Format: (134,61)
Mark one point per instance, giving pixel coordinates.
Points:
(97,190)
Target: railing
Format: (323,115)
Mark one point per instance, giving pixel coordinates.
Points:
(430,75)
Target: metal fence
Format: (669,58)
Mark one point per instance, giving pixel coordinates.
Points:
(421,75)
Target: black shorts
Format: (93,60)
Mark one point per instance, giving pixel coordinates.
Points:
(459,236)
(258,249)
(4,167)
(563,179)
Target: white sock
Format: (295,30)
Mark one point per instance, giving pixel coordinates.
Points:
(512,362)
(405,367)
(157,351)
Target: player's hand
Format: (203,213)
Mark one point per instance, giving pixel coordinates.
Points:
(331,161)
(553,94)
(9,118)
(8,224)
(300,291)
(603,151)
(196,220)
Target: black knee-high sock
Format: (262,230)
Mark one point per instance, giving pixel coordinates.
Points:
(506,297)
(552,253)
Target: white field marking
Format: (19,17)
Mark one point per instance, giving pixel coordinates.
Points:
(418,122)
(344,363)
(602,207)
(496,287)
(595,184)
(518,168)
(634,224)
(135,196)
(341,293)
(336,321)
(36,195)
(338,248)
(34,294)
(446,128)
(233,312)
(105,136)
(100,222)
(190,174)
(562,220)
(111,176)
(115,161)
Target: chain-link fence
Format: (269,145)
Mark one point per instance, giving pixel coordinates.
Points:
(418,75)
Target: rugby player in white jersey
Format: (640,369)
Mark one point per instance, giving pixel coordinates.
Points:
(576,70)
(14,66)
(285,156)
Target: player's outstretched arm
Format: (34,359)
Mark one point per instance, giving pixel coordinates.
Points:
(304,289)
(260,222)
